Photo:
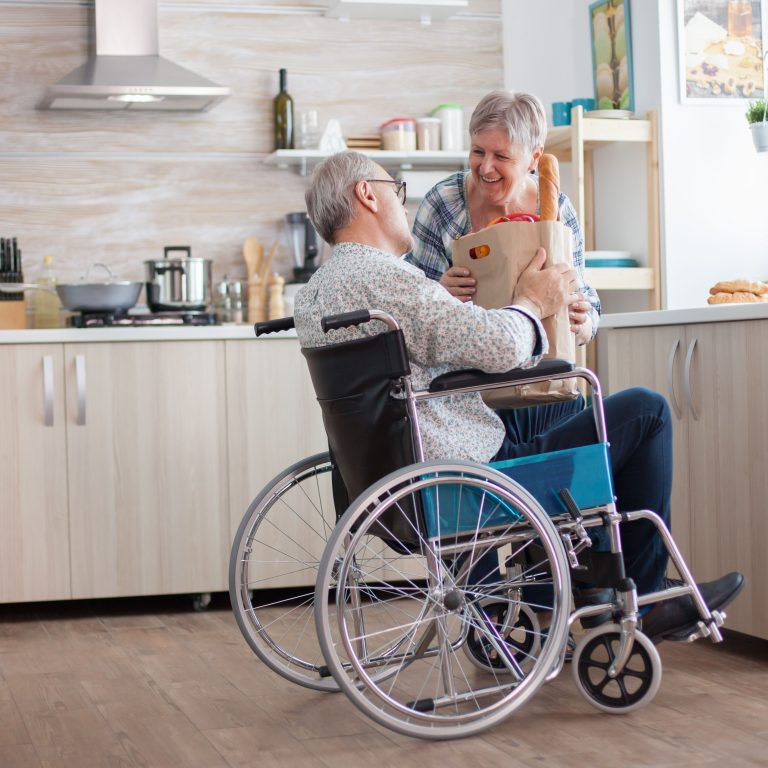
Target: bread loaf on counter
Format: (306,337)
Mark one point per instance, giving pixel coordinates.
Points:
(734,286)
(737,297)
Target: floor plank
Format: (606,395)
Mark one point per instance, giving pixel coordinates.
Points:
(130,684)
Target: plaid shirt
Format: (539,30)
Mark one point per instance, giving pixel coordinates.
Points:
(444,215)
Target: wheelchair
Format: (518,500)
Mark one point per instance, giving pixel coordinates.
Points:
(443,589)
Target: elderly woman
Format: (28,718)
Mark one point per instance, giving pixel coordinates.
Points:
(507,132)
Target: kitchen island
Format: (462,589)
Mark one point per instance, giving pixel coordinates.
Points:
(129,455)
(711,363)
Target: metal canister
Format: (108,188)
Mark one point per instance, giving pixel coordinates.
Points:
(176,284)
(229,302)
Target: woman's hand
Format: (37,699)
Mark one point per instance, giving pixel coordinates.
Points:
(578,314)
(458,281)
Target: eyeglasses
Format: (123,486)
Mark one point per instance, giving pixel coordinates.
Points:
(399,187)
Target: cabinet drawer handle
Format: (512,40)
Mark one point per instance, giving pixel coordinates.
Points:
(671,379)
(47,390)
(80,381)
(687,379)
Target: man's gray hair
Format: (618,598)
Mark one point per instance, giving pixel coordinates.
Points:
(331,194)
(521,115)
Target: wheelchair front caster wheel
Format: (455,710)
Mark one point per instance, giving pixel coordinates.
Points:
(636,684)
(523,638)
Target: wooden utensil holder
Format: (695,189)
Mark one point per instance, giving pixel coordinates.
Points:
(12,315)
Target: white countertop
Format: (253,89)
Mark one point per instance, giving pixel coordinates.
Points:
(718,313)
(137,333)
(706,314)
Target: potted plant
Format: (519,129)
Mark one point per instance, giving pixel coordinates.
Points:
(757,112)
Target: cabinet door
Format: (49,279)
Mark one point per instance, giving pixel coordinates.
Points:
(34,540)
(273,421)
(146,435)
(728,428)
(653,357)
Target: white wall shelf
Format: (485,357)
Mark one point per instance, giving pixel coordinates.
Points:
(304,160)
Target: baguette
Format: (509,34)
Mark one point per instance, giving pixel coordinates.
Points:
(747,286)
(549,188)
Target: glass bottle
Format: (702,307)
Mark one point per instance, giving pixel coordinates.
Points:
(739,18)
(46,302)
(283,116)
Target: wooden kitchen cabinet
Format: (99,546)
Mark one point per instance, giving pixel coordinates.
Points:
(34,538)
(718,372)
(273,421)
(147,454)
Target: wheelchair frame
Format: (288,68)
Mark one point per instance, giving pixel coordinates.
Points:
(467,614)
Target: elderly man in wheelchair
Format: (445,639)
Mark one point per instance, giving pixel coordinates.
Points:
(464,568)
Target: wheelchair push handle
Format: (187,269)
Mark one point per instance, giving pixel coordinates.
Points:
(273,326)
(345,319)
(358,317)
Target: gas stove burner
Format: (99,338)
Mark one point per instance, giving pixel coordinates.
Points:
(120,319)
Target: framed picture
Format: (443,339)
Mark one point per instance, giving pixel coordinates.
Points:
(720,43)
(612,54)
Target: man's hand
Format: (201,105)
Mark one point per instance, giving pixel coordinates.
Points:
(548,289)
(458,281)
(578,314)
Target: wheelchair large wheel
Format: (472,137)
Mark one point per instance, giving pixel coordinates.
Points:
(636,684)
(278,548)
(395,607)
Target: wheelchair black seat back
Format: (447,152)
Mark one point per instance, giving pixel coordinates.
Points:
(368,430)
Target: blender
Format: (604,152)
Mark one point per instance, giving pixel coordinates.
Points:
(303,242)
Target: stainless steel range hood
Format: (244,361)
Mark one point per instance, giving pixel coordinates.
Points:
(127,73)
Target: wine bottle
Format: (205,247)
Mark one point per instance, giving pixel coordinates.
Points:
(283,116)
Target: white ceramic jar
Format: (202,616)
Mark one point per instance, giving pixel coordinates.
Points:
(451,126)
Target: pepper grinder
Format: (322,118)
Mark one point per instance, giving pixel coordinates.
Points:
(257,300)
(276,306)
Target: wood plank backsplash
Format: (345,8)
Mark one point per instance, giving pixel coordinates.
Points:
(89,186)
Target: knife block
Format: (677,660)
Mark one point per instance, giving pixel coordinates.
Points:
(12,315)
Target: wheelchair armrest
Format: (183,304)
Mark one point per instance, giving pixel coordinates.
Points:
(475,378)
(273,326)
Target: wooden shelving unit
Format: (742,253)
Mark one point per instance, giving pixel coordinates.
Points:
(576,144)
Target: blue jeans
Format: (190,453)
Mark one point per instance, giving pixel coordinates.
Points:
(640,436)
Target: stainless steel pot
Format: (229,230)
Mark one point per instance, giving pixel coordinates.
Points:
(178,283)
(88,296)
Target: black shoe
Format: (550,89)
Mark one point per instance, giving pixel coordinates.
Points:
(594,597)
(675,619)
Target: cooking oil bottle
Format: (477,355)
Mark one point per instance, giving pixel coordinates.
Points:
(46,303)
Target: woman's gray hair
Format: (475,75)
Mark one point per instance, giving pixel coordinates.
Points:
(521,115)
(331,194)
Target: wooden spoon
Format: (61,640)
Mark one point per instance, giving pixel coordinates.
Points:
(264,272)
(253,253)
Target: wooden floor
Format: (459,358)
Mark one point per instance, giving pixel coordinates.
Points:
(152,684)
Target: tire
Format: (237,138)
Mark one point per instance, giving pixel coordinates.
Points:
(278,545)
(636,684)
(393,618)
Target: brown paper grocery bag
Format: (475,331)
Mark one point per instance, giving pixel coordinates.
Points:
(496,256)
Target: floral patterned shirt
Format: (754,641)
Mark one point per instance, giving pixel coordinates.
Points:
(442,334)
(444,215)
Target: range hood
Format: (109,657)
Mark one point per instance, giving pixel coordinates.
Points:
(127,73)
